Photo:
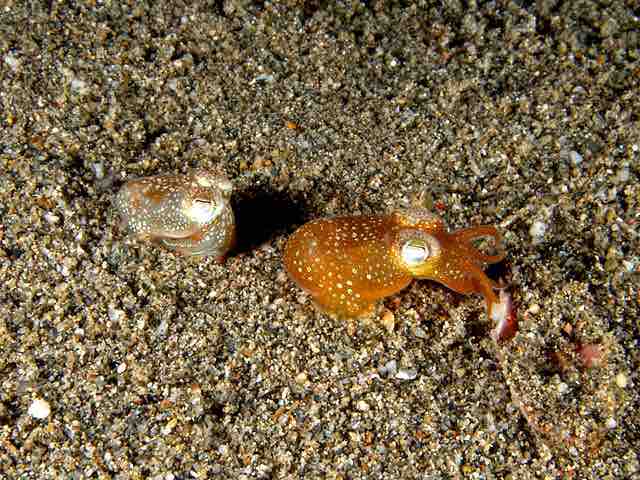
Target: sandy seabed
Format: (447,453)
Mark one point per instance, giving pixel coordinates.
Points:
(121,360)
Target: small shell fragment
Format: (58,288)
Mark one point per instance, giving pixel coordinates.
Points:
(39,409)
(189,214)
(407,374)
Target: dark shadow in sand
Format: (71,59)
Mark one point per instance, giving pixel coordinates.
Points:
(262,213)
(500,272)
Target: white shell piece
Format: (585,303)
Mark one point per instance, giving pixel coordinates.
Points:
(39,409)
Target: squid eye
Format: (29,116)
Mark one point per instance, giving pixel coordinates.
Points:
(414,251)
(201,211)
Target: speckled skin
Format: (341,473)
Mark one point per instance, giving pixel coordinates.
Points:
(189,214)
(348,263)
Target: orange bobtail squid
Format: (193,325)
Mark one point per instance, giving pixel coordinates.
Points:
(189,214)
(347,264)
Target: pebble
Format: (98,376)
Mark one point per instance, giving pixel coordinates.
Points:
(623,175)
(168,428)
(621,380)
(115,314)
(12,62)
(420,333)
(362,406)
(534,309)
(264,78)
(537,230)
(407,374)
(629,265)
(51,218)
(575,157)
(98,169)
(79,87)
(388,320)
(301,378)
(39,409)
(390,368)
